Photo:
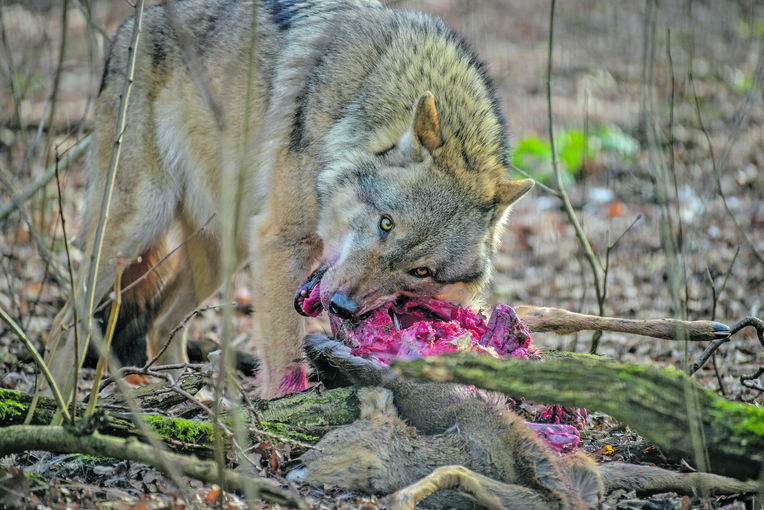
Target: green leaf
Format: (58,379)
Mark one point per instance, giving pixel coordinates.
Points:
(571,150)
(534,156)
(612,139)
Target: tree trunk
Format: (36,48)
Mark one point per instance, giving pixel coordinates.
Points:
(664,405)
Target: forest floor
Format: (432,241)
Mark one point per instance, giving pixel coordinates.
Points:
(669,104)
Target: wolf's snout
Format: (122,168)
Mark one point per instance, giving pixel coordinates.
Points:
(343,307)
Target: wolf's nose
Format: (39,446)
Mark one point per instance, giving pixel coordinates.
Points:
(343,307)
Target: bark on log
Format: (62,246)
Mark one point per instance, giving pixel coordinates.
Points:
(308,412)
(664,405)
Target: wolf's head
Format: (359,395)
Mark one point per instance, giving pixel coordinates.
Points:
(404,220)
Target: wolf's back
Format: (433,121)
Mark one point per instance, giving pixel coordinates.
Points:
(376,63)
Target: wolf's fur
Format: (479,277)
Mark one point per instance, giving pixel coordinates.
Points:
(356,111)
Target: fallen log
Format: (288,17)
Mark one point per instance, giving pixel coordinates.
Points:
(663,405)
(308,413)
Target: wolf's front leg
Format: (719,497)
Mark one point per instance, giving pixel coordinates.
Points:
(281,261)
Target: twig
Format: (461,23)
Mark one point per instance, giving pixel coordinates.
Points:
(605,271)
(679,235)
(36,237)
(754,322)
(712,347)
(91,25)
(53,99)
(125,371)
(670,240)
(583,241)
(39,362)
(175,330)
(145,275)
(538,183)
(95,257)
(11,72)
(69,266)
(70,157)
(714,300)
(9,280)
(751,381)
(230,207)
(742,113)
(19,438)
(718,375)
(112,323)
(717,177)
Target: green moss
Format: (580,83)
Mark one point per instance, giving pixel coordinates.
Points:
(742,419)
(188,431)
(627,372)
(555,354)
(9,407)
(284,430)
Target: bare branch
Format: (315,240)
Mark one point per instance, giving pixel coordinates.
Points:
(582,240)
(71,156)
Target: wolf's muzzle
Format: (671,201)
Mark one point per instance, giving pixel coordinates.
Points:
(343,307)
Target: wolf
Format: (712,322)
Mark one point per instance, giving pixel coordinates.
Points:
(367,150)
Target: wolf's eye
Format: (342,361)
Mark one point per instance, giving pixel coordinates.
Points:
(386,223)
(421,272)
(385,151)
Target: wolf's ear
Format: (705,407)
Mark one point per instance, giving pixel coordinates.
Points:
(424,131)
(510,192)
(425,125)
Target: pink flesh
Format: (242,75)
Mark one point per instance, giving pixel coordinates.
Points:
(293,381)
(312,304)
(563,438)
(412,327)
(560,415)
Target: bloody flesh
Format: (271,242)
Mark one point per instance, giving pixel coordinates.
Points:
(408,328)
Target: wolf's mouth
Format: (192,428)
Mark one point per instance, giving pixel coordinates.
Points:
(414,326)
(409,327)
(307,301)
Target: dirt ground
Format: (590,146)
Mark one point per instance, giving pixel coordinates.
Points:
(679,83)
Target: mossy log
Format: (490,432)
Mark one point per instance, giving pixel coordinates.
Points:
(664,405)
(290,416)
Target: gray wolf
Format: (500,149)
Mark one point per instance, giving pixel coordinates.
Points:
(367,144)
